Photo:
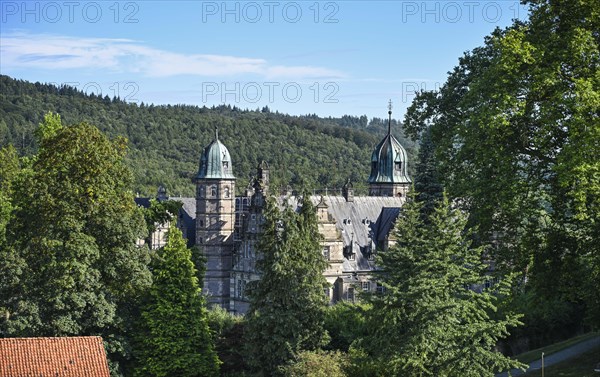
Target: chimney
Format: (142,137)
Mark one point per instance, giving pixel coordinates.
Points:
(348,191)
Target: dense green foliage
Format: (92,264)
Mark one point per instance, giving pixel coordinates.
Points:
(166,141)
(317,364)
(287,305)
(516,130)
(228,332)
(428,184)
(345,322)
(430,321)
(70,263)
(174,338)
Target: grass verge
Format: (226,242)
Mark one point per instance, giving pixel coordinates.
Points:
(578,366)
(536,354)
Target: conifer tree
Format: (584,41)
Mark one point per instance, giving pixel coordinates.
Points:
(287,305)
(430,321)
(174,338)
(427,180)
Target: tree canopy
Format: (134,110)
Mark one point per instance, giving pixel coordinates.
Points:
(174,338)
(287,305)
(516,132)
(166,141)
(70,259)
(434,318)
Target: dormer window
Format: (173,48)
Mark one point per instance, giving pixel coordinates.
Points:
(398,166)
(226,164)
(326,252)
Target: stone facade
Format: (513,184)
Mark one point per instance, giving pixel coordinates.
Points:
(354,228)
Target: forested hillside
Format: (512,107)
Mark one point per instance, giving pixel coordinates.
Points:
(166,141)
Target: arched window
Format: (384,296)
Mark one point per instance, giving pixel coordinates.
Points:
(226,191)
(213,191)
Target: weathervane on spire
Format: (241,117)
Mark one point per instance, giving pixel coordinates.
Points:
(390,117)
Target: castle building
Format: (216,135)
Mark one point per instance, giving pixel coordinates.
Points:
(354,228)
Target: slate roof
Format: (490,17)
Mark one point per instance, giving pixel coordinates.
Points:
(364,223)
(142,202)
(53,357)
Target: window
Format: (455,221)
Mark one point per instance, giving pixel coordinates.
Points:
(201,223)
(352,256)
(238,292)
(380,288)
(226,164)
(326,252)
(366,286)
(350,294)
(200,240)
(226,191)
(213,191)
(398,166)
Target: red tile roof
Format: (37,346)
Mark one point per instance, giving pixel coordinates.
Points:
(80,356)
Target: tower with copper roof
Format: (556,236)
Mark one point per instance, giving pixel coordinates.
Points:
(389,175)
(215,218)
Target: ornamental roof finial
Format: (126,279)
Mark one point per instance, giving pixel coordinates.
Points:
(390,117)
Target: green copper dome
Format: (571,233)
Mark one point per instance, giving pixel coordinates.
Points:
(388,161)
(215,162)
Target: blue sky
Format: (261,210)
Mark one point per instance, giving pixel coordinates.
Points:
(303,57)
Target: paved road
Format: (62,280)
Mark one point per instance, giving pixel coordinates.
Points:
(557,357)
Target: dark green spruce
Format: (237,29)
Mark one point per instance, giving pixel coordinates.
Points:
(288,305)
(428,322)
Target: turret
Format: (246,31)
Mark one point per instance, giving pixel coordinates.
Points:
(215,217)
(389,175)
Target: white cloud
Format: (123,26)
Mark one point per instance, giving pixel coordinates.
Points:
(55,52)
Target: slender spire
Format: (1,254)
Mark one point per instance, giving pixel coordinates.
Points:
(216,133)
(390,117)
